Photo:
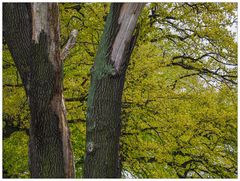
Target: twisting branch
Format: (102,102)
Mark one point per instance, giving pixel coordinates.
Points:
(184,76)
(70,44)
(205,71)
(13,85)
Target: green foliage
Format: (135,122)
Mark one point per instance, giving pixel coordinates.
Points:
(15,156)
(178,113)
(78,144)
(179,108)
(14,100)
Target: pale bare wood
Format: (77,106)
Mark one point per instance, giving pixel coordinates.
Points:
(70,44)
(127,20)
(39,20)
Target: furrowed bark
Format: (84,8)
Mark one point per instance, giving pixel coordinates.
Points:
(55,159)
(105,93)
(50,154)
(17,32)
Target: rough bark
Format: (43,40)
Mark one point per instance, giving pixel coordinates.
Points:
(33,40)
(17,32)
(104,98)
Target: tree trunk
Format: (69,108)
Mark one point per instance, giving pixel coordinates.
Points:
(32,34)
(104,98)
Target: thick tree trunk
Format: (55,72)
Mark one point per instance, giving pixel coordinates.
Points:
(37,49)
(104,98)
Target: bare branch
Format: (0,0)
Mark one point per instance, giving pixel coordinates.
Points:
(73,99)
(70,44)
(13,85)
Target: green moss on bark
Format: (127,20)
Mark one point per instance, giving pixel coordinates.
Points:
(103,66)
